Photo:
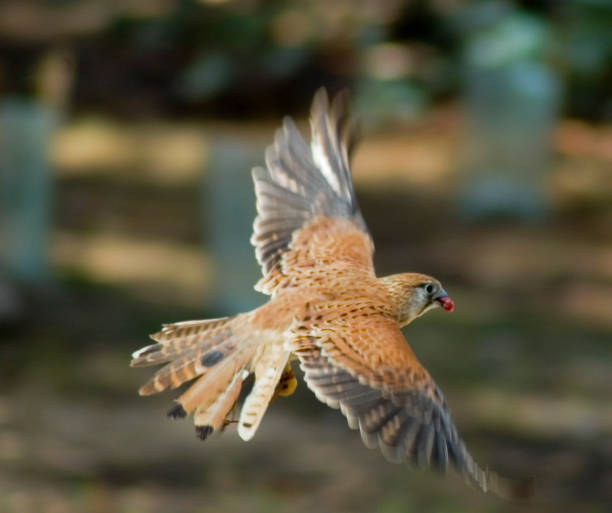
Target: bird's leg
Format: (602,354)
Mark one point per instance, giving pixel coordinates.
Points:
(287,383)
(226,422)
(231,418)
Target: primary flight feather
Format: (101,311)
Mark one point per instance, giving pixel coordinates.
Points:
(327,309)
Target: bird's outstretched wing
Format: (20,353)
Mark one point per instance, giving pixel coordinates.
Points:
(362,364)
(307,213)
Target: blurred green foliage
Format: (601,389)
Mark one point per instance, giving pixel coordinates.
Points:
(245,57)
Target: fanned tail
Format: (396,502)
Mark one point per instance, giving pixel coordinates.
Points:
(219,354)
(192,348)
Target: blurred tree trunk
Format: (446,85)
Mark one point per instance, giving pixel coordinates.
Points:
(512,99)
(26,128)
(27,125)
(229,205)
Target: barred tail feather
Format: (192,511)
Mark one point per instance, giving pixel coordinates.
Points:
(215,414)
(270,367)
(194,362)
(175,338)
(209,387)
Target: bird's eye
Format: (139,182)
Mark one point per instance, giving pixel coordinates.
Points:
(430,288)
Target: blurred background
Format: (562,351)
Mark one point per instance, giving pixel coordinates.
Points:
(127,133)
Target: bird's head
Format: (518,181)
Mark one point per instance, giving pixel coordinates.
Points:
(416,294)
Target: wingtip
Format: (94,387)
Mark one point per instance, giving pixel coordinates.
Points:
(338,106)
(340,102)
(320,103)
(288,123)
(518,490)
(320,95)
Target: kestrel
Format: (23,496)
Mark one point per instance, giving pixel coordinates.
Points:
(327,309)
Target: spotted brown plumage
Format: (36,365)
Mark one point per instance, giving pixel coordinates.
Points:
(327,309)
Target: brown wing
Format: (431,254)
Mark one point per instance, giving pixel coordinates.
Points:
(306,201)
(365,367)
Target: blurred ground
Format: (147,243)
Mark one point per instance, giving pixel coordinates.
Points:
(525,360)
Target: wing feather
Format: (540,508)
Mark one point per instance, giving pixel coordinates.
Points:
(392,400)
(305,191)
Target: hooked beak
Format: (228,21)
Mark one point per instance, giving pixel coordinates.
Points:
(445,301)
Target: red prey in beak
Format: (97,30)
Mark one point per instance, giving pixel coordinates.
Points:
(446,302)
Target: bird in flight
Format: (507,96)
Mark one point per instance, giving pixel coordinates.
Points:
(327,309)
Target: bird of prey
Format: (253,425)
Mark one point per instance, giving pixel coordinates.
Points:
(327,309)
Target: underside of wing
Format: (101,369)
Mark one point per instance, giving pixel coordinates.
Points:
(302,186)
(391,399)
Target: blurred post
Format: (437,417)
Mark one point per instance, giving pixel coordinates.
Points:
(512,100)
(229,203)
(26,127)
